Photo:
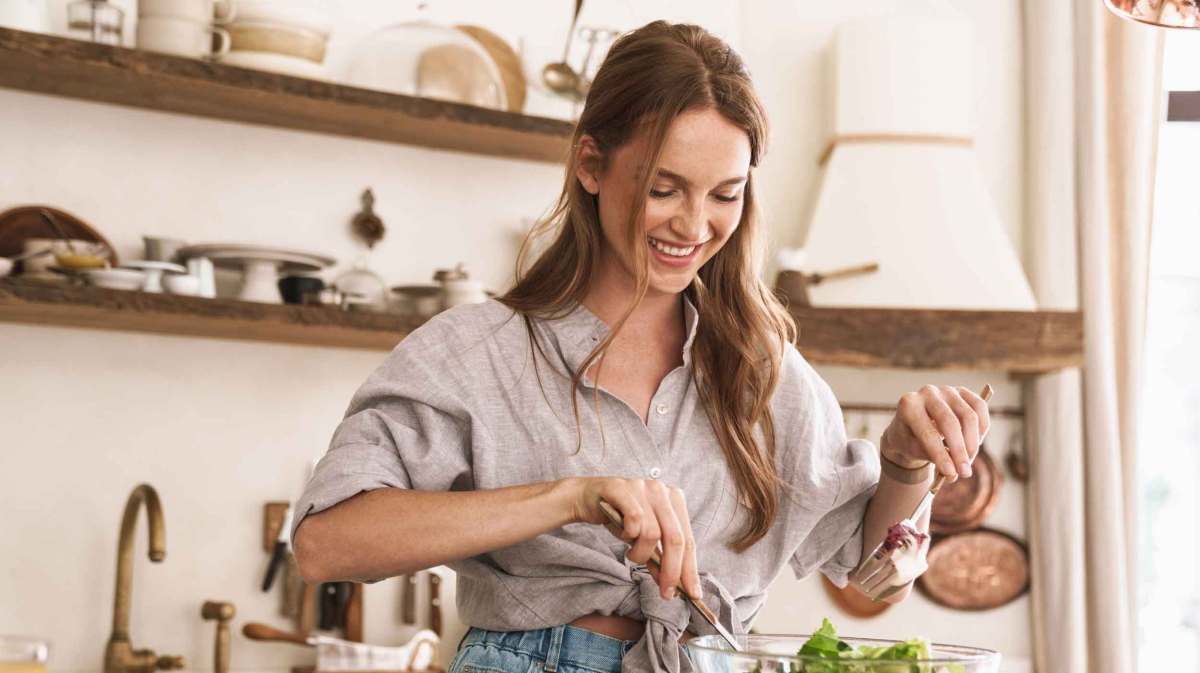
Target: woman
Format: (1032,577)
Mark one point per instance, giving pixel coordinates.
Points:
(639,361)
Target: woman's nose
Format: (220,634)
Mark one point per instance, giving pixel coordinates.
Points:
(690,223)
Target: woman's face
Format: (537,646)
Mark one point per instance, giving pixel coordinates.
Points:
(694,204)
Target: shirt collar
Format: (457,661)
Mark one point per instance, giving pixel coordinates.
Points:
(577,333)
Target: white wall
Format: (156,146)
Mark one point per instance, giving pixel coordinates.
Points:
(220,427)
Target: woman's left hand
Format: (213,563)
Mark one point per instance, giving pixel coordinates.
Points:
(943,425)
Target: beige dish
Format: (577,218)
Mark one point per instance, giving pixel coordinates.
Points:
(278,39)
(507,61)
(277,63)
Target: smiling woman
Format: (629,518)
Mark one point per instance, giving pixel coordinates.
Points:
(640,362)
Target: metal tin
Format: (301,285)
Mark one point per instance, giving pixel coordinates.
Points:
(965,504)
(976,570)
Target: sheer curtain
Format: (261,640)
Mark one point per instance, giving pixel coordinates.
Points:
(1093,106)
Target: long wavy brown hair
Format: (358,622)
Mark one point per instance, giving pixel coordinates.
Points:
(650,77)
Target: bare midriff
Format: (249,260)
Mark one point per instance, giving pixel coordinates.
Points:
(621,628)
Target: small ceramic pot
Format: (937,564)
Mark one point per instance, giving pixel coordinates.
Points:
(294,289)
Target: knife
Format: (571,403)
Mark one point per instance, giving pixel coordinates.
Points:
(616,525)
(279,553)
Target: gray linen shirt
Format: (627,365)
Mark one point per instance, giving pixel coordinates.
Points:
(458,405)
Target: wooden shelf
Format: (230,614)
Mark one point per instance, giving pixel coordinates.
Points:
(1014,341)
(84,70)
(76,306)
(1021,342)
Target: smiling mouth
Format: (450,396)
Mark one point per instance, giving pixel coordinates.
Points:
(671,250)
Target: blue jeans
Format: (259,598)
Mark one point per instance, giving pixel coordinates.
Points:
(561,649)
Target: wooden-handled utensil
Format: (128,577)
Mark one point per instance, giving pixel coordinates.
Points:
(335,654)
(875,574)
(263,632)
(354,614)
(616,524)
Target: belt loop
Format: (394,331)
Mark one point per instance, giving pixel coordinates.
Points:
(464,638)
(556,638)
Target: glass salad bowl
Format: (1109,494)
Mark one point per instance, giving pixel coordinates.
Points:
(780,654)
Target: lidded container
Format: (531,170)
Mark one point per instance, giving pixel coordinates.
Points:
(96,21)
(427,59)
(458,288)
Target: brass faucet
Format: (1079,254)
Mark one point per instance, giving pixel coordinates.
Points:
(222,614)
(119,656)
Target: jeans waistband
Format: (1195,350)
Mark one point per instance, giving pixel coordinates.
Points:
(568,644)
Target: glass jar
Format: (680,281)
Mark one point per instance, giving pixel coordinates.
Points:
(365,288)
(96,21)
(23,655)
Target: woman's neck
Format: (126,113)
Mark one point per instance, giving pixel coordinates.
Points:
(612,289)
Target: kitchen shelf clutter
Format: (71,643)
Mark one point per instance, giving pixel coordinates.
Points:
(96,72)
(57,304)
(1015,341)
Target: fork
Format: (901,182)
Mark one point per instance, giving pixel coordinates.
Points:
(615,525)
(875,574)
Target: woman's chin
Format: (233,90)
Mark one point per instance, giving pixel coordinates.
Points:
(669,283)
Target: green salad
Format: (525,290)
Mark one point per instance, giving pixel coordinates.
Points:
(838,656)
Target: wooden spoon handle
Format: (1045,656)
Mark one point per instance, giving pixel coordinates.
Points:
(257,631)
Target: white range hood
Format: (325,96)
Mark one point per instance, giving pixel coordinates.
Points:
(902,185)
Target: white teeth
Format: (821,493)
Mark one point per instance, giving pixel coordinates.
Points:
(670,250)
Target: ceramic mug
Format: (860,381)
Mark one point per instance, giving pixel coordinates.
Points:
(181,37)
(200,11)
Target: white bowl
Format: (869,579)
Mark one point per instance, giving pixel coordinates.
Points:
(177,283)
(41,265)
(116,279)
(6,266)
(278,38)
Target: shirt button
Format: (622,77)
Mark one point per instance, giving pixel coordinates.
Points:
(661,409)
(655,473)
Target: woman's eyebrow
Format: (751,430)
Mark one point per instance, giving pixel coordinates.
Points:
(675,177)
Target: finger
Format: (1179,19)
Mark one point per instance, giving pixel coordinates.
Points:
(926,433)
(672,539)
(969,422)
(949,427)
(982,412)
(648,536)
(691,569)
(621,496)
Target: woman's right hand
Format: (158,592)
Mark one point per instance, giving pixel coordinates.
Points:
(653,512)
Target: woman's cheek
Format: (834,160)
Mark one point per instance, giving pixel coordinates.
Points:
(728,224)
(656,215)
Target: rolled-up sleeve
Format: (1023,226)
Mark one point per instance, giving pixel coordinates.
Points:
(835,544)
(844,475)
(403,429)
